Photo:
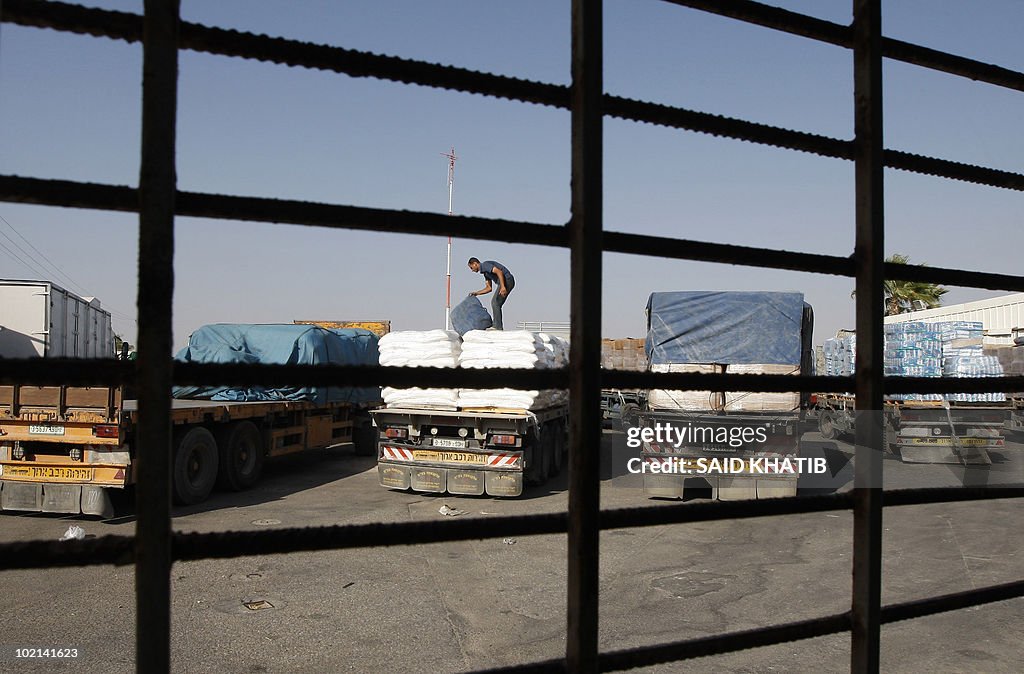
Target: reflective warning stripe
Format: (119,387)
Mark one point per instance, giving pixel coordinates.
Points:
(503,460)
(397,453)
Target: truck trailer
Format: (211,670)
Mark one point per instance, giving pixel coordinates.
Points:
(63,448)
(470,451)
(41,319)
(742,445)
(952,428)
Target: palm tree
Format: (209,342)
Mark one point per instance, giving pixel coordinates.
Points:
(904,296)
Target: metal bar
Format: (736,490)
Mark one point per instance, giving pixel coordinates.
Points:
(156,288)
(840,35)
(118,550)
(253,209)
(585,230)
(730,642)
(869,432)
(128,26)
(79,372)
(774,18)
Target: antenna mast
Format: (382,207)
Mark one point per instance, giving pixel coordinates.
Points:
(451,188)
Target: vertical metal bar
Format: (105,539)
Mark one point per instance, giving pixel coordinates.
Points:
(869,254)
(585,229)
(153,373)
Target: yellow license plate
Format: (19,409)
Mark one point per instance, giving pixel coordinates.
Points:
(450,457)
(73,474)
(948,442)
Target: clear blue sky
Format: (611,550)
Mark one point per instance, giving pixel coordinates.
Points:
(70,106)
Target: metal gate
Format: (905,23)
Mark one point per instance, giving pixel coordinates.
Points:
(155,547)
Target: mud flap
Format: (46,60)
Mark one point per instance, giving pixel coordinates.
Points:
(393,477)
(776,488)
(96,501)
(62,498)
(466,482)
(21,496)
(428,479)
(736,488)
(504,483)
(663,486)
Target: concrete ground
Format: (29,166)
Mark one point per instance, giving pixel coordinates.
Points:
(463,606)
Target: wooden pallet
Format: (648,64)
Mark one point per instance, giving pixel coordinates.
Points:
(496,410)
(424,406)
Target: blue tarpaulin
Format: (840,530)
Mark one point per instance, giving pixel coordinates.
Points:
(741,328)
(280,345)
(468,315)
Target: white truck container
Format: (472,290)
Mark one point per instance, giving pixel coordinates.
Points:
(41,319)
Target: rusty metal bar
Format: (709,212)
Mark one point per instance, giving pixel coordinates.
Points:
(869,254)
(79,372)
(117,550)
(156,289)
(585,230)
(255,209)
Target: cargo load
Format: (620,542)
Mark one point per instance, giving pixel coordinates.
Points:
(519,349)
(421,348)
(282,344)
(41,319)
(728,332)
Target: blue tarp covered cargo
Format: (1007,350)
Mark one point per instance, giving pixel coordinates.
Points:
(280,345)
(469,314)
(741,328)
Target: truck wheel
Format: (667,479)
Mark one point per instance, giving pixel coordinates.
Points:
(539,460)
(549,445)
(241,456)
(558,445)
(629,413)
(827,426)
(364,439)
(195,466)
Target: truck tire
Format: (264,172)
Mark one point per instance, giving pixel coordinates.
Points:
(195,466)
(628,413)
(827,425)
(241,456)
(549,445)
(558,457)
(539,460)
(364,438)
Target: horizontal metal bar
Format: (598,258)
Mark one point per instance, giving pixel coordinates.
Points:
(749,256)
(842,36)
(119,198)
(944,168)
(952,602)
(82,372)
(121,25)
(728,127)
(220,545)
(897,498)
(128,26)
(646,656)
(775,18)
(108,372)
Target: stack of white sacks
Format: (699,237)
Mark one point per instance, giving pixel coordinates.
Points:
(517,349)
(420,348)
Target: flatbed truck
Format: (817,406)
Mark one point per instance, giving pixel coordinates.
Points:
(475,451)
(63,448)
(925,431)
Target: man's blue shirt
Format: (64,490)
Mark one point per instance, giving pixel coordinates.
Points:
(487,269)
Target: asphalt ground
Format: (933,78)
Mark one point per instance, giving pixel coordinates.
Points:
(493,602)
